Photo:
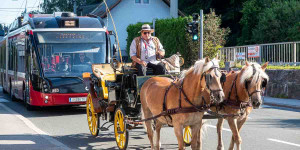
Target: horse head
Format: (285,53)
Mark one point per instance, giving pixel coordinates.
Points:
(254,79)
(213,80)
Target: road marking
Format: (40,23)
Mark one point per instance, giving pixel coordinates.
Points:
(12,142)
(36,129)
(225,129)
(289,143)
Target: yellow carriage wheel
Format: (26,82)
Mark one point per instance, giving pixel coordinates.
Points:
(121,134)
(187,136)
(92,116)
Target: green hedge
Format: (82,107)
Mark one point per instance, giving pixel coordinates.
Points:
(174,38)
(171,33)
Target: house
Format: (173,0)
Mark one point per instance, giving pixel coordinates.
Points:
(125,12)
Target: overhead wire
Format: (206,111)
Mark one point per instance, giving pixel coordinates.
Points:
(112,20)
(20,9)
(33,5)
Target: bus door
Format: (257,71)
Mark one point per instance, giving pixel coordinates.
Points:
(15,66)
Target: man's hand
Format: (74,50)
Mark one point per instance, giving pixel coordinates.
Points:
(143,63)
(161,53)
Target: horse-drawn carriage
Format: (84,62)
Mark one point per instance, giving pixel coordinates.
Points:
(114,96)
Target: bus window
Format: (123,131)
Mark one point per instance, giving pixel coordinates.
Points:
(70,53)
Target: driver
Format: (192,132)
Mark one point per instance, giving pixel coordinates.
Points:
(145,51)
(83,59)
(63,65)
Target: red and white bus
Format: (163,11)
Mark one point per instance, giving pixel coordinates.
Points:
(43,56)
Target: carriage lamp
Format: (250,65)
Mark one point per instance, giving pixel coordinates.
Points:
(115,64)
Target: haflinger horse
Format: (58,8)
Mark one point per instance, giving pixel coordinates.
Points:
(242,93)
(182,102)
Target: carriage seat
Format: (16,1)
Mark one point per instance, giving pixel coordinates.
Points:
(132,70)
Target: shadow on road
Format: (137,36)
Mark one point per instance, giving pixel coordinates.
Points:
(278,123)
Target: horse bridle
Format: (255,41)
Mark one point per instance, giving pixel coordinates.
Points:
(246,83)
(208,81)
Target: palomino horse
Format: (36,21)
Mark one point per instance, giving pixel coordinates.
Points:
(160,94)
(242,92)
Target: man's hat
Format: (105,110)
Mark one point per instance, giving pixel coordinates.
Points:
(146,27)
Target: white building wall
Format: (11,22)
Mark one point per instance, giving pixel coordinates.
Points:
(127,12)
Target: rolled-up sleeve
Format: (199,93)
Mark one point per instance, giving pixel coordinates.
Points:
(161,48)
(133,49)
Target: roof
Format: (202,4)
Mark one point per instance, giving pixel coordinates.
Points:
(101,9)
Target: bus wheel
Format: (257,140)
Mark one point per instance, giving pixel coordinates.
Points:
(187,136)
(4,91)
(12,97)
(92,117)
(121,134)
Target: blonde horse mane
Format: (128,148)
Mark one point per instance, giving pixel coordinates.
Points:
(200,67)
(248,72)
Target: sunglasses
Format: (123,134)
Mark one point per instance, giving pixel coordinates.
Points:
(146,33)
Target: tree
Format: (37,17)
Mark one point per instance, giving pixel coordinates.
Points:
(1,30)
(50,6)
(278,23)
(229,10)
(214,37)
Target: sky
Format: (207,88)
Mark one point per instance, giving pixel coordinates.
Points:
(11,9)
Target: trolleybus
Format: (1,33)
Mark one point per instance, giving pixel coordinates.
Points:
(43,57)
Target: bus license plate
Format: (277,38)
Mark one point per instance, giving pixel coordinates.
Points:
(77,99)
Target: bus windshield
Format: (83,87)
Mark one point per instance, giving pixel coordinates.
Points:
(69,54)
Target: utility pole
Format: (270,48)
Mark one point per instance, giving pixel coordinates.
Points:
(201,35)
(74,7)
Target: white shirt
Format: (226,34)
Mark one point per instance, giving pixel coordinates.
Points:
(147,50)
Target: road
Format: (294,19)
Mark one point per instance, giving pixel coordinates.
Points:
(273,128)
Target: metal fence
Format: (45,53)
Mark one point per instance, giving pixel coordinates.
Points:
(274,53)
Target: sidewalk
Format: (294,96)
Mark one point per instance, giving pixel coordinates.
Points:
(17,132)
(289,103)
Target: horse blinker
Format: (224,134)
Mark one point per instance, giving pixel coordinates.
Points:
(223,78)
(264,83)
(208,79)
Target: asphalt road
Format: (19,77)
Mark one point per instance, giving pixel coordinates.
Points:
(270,127)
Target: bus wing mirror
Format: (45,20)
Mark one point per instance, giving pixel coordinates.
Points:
(114,49)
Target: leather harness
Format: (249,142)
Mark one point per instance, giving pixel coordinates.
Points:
(237,103)
(180,109)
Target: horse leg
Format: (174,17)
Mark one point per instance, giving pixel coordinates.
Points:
(156,139)
(179,134)
(147,114)
(219,131)
(236,138)
(239,126)
(195,137)
(240,123)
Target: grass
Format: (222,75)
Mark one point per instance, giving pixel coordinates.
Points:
(281,96)
(287,67)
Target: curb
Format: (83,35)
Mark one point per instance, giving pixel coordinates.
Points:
(282,105)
